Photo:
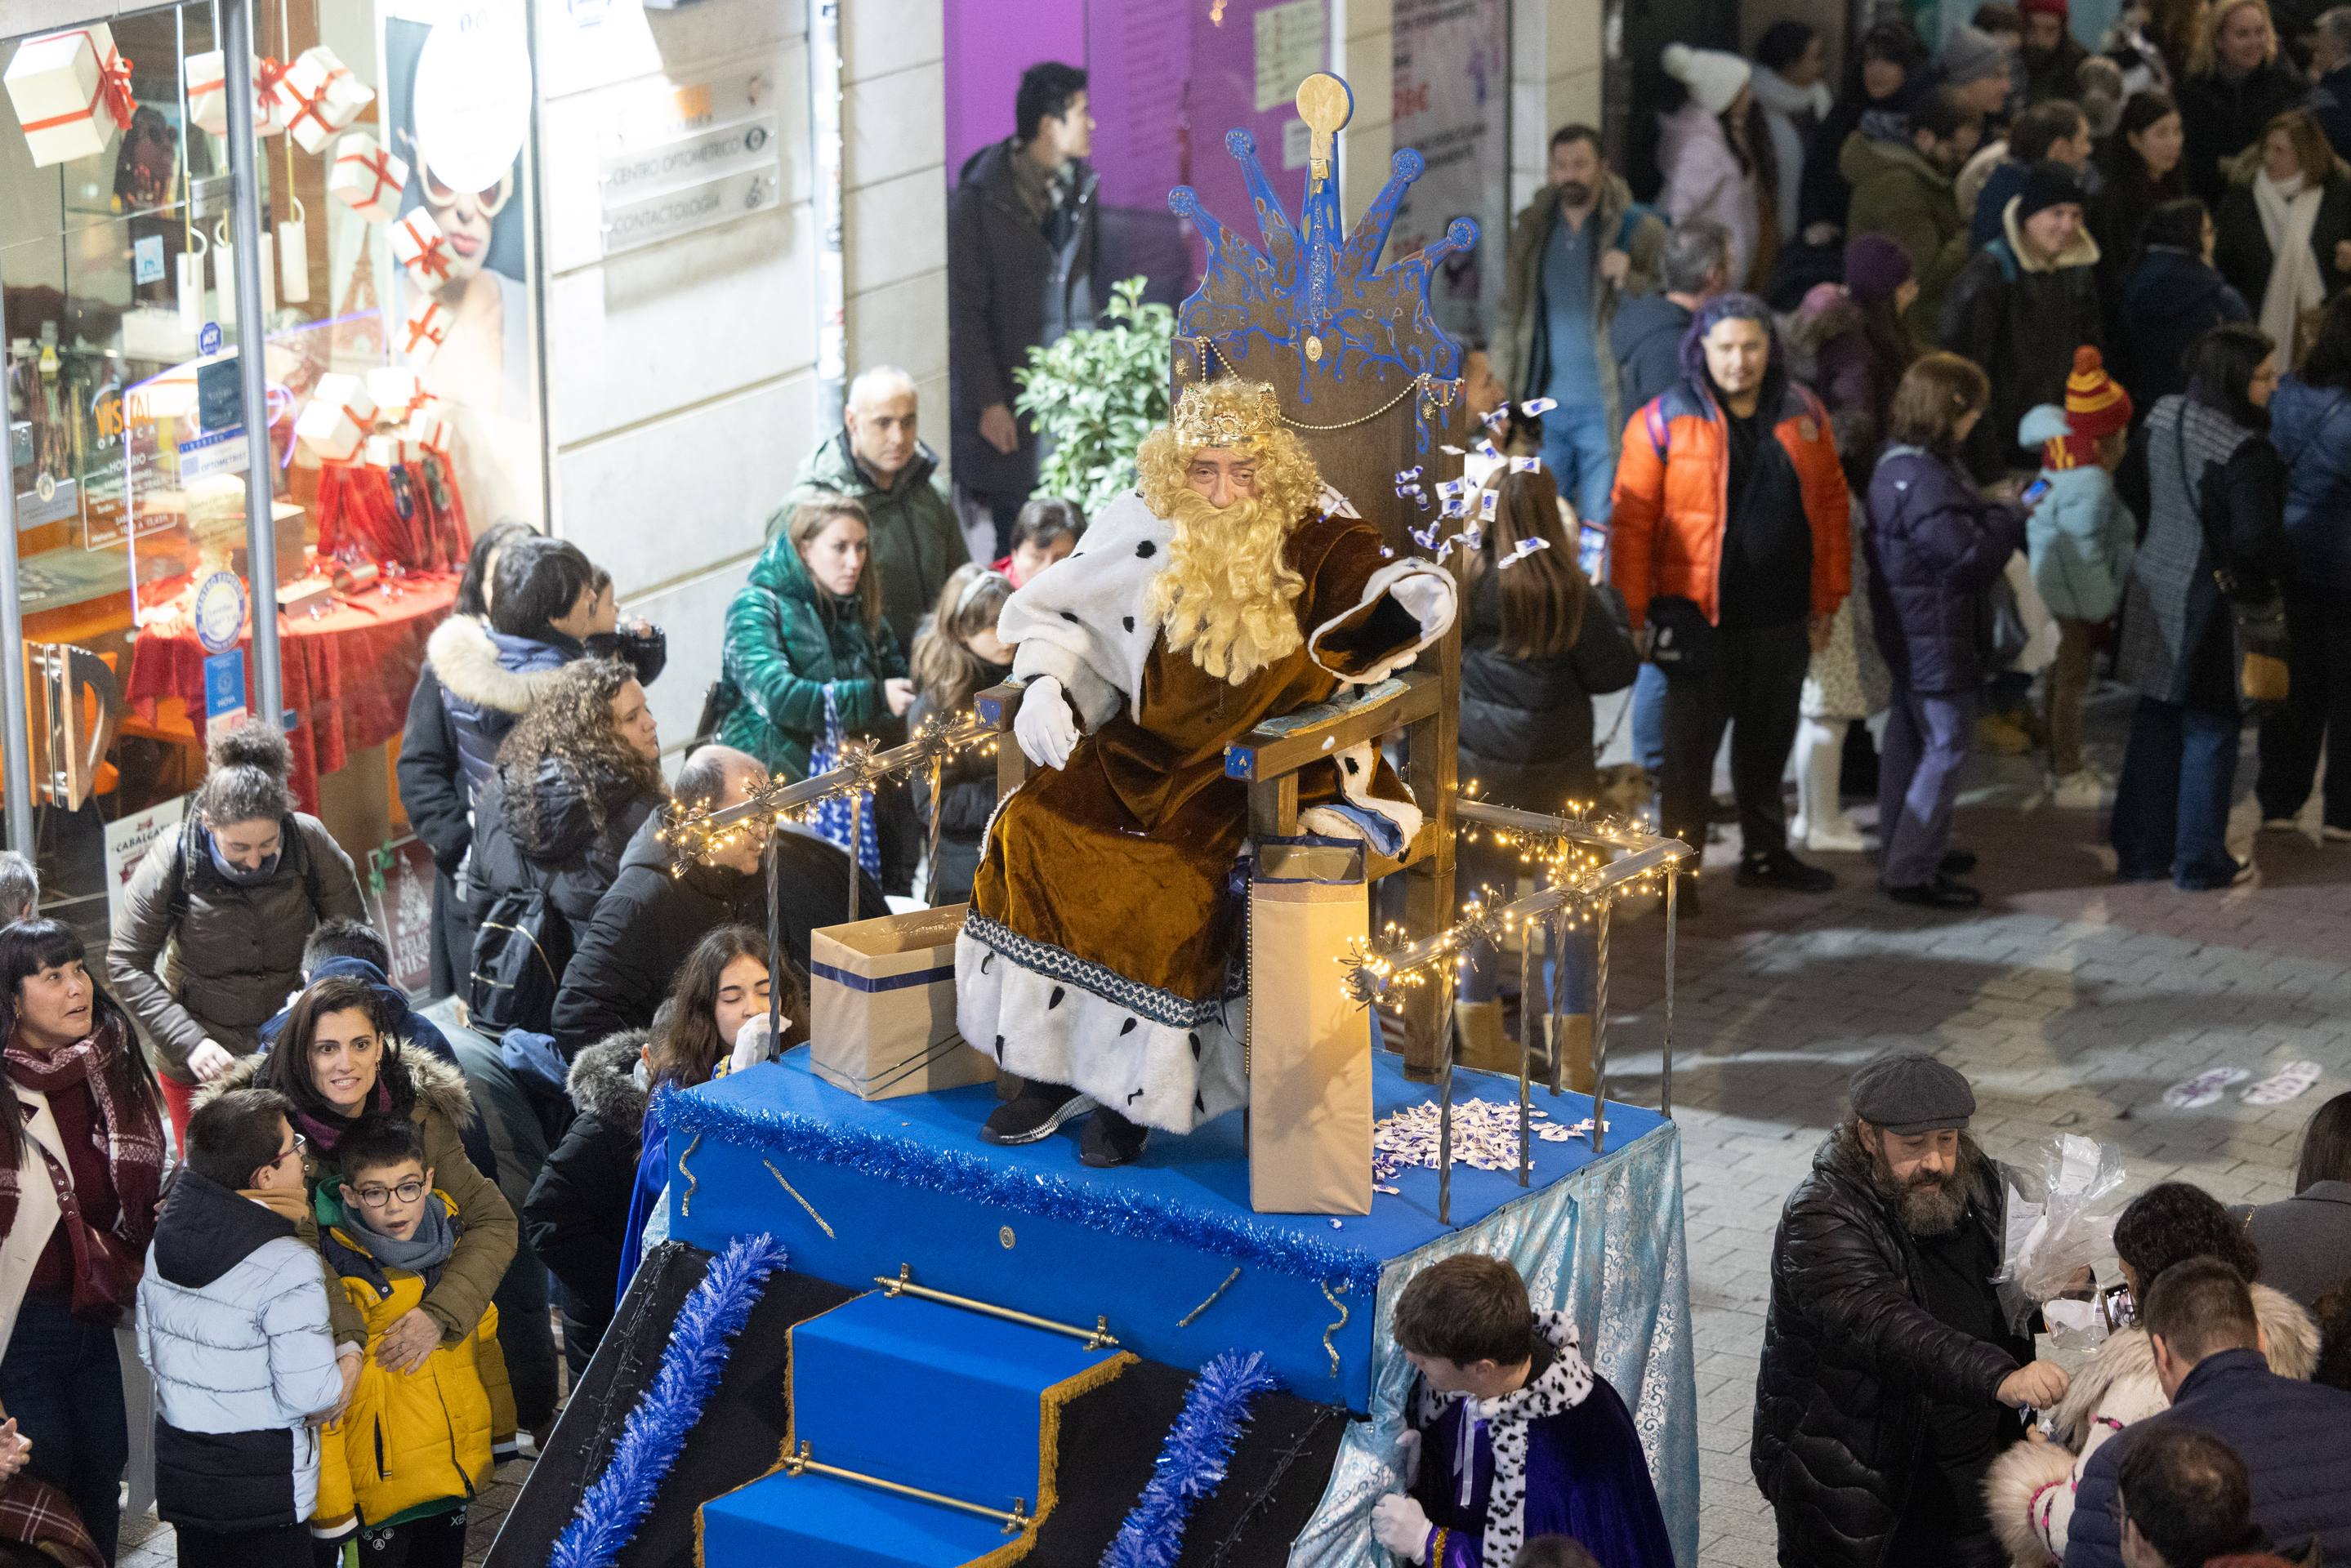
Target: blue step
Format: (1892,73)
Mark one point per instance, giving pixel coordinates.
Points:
(930,1395)
(817,1522)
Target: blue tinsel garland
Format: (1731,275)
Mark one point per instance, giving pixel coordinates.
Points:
(713,1313)
(1098,1206)
(1192,1461)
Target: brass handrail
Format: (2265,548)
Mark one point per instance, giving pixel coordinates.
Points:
(1098,1338)
(1014,1519)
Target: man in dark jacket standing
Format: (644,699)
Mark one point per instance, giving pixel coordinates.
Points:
(1887,1353)
(2019,309)
(1582,247)
(649,920)
(2330,74)
(2295,1437)
(876,459)
(1647,336)
(1022,234)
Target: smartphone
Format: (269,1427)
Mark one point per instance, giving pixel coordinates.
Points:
(2119,1308)
(2035,491)
(1591,550)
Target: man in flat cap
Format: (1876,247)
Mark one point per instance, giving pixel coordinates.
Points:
(1893,1368)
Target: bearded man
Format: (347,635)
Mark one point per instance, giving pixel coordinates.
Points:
(1893,1368)
(1101,959)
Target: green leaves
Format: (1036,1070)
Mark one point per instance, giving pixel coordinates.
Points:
(1096,393)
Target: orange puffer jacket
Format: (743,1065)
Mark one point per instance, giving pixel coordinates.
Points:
(1669,513)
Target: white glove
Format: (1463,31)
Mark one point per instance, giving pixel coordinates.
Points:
(209,1060)
(1401,1525)
(1407,1455)
(1043,726)
(753,1043)
(1429,597)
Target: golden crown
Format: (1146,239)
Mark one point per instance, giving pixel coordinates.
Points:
(1226,413)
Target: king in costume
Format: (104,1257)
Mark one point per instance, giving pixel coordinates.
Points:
(1101,960)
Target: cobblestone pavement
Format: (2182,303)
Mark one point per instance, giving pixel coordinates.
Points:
(2071,1003)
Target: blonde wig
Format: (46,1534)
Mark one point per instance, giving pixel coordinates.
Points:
(1228,596)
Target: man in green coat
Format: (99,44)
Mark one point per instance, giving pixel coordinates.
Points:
(1902,189)
(877,461)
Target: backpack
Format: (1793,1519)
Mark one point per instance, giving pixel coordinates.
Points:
(519,956)
(289,833)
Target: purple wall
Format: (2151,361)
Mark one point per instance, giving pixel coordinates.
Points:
(986,53)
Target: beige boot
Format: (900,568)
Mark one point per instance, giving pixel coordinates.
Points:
(1572,1033)
(1479,1041)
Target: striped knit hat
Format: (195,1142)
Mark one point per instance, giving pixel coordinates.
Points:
(2095,407)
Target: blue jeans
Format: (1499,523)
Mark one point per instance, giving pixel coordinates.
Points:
(2171,803)
(1927,738)
(61,1381)
(1649,719)
(1580,450)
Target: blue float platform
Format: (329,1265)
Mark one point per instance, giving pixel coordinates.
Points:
(1169,1252)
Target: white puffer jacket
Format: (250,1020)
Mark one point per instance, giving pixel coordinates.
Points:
(2031,1488)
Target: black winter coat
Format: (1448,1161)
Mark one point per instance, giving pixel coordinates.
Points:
(2242,249)
(569,855)
(434,793)
(2170,301)
(1851,1357)
(1011,289)
(1526,723)
(2022,326)
(2222,117)
(968,794)
(578,1212)
(629,951)
(1935,547)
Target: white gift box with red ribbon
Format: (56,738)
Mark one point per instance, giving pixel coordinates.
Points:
(208,94)
(367,179)
(337,421)
(318,96)
(418,244)
(431,430)
(71,93)
(397,393)
(387,452)
(424,328)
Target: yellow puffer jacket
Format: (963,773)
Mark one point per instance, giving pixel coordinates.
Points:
(408,1439)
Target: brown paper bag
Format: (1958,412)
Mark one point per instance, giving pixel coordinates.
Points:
(881,1006)
(1310,1055)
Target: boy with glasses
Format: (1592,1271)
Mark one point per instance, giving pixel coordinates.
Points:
(232,1325)
(413,1448)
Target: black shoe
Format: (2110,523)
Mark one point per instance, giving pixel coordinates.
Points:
(1038,1113)
(1778,868)
(1942,893)
(1111,1139)
(1957,863)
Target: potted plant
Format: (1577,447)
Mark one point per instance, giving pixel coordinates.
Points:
(1095,393)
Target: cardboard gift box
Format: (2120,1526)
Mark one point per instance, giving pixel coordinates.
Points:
(397,393)
(424,328)
(1310,1051)
(367,179)
(337,421)
(881,1006)
(317,97)
(430,429)
(71,92)
(418,244)
(208,94)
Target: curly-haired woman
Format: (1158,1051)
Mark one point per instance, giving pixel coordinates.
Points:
(575,780)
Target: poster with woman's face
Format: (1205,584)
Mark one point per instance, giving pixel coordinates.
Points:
(458,91)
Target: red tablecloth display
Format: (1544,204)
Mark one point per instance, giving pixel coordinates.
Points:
(348,673)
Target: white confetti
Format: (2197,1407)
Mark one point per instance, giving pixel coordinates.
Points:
(1484,1137)
(1534,408)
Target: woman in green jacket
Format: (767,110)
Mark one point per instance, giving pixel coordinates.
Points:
(809,625)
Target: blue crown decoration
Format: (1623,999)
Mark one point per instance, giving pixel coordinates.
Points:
(1321,295)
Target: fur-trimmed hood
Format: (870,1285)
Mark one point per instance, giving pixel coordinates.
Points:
(439,1086)
(471,666)
(604,1079)
(2029,1490)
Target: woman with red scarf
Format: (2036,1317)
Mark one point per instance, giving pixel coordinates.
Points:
(81,1164)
